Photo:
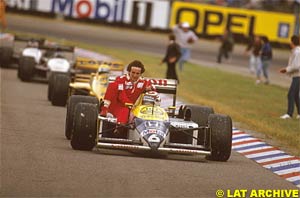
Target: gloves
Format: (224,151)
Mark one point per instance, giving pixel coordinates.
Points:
(104,111)
(190,40)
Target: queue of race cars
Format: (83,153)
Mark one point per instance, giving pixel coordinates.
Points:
(80,84)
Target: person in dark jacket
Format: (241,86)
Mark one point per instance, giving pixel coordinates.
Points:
(226,47)
(172,56)
(266,57)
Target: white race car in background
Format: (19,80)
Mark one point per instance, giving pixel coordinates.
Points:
(20,46)
(42,63)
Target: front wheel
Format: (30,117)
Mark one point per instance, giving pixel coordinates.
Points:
(6,54)
(59,89)
(72,103)
(26,68)
(85,127)
(221,137)
(50,85)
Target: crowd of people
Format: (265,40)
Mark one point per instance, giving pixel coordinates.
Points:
(270,5)
(260,53)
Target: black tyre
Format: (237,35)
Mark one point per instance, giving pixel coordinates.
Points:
(72,102)
(221,137)
(85,127)
(59,89)
(198,114)
(6,54)
(26,68)
(50,86)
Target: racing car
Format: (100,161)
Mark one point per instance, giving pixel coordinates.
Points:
(90,87)
(85,72)
(21,47)
(87,77)
(193,129)
(46,60)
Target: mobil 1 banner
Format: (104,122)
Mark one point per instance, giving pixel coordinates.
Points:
(153,14)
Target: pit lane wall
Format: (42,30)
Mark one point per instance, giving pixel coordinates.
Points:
(206,20)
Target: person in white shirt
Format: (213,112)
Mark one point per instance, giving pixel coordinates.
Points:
(293,69)
(185,38)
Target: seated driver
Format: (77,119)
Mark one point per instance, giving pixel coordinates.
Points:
(32,43)
(126,89)
(103,68)
(151,98)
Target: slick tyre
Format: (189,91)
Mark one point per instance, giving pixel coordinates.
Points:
(198,114)
(221,137)
(85,127)
(26,68)
(6,54)
(72,102)
(50,85)
(59,89)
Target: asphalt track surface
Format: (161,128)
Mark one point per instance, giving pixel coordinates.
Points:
(37,161)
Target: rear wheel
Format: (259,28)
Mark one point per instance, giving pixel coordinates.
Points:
(6,54)
(221,137)
(73,101)
(85,127)
(26,68)
(59,89)
(197,114)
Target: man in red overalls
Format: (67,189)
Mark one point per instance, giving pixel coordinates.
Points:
(126,89)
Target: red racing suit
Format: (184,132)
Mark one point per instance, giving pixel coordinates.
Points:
(122,91)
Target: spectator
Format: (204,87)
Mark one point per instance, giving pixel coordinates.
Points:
(2,15)
(255,60)
(172,56)
(226,47)
(266,57)
(293,70)
(185,38)
(254,4)
(126,89)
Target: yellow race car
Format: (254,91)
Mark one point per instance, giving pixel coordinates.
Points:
(88,87)
(193,129)
(87,77)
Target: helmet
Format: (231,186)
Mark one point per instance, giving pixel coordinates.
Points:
(103,68)
(58,55)
(151,97)
(32,44)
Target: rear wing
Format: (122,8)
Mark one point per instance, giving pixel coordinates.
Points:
(58,48)
(91,64)
(40,41)
(165,86)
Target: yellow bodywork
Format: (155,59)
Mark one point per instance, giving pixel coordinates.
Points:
(91,64)
(95,83)
(90,80)
(149,112)
(98,84)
